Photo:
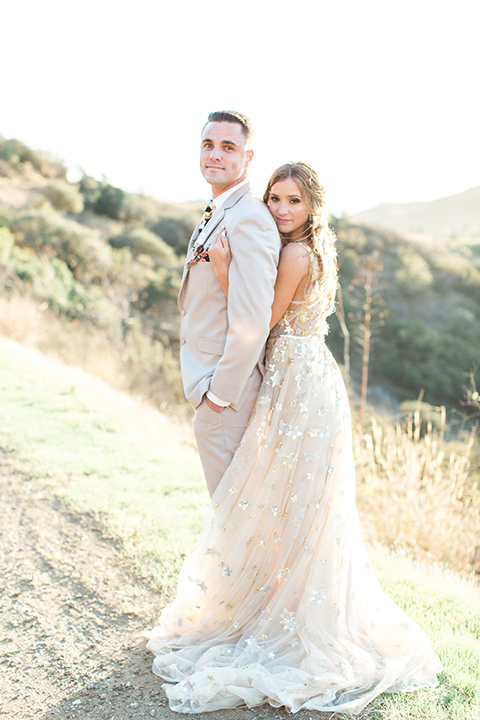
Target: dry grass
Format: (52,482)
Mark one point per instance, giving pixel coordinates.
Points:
(90,350)
(26,321)
(415,493)
(93,351)
(20,319)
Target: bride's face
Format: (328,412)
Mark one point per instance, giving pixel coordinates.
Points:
(288,208)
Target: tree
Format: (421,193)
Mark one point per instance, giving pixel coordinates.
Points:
(369,315)
(102,198)
(340,312)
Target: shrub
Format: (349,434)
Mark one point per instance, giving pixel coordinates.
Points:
(144,242)
(90,190)
(151,368)
(63,197)
(51,281)
(102,198)
(6,169)
(161,291)
(22,158)
(176,228)
(5,215)
(6,244)
(110,202)
(414,274)
(140,210)
(43,279)
(415,356)
(47,232)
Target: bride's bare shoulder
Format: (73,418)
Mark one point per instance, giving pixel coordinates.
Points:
(295,253)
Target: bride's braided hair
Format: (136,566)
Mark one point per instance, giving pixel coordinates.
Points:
(316,233)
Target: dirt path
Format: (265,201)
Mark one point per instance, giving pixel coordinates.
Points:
(72,616)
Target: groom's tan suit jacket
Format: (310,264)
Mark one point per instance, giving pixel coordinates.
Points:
(223,341)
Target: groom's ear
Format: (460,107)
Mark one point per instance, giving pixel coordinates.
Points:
(249,158)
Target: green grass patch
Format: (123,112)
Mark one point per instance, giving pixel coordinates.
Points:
(138,472)
(103,453)
(447,607)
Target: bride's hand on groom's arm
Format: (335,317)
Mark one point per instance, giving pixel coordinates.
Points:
(220,256)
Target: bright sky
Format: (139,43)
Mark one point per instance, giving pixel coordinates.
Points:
(380,96)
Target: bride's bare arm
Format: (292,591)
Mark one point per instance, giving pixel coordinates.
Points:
(220,256)
(292,270)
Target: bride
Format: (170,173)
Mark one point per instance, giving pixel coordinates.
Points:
(278,601)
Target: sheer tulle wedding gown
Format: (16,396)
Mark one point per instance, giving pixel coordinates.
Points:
(278,601)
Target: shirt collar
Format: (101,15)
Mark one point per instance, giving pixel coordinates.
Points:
(221,199)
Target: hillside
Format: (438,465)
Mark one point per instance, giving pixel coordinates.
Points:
(90,274)
(425,317)
(457,216)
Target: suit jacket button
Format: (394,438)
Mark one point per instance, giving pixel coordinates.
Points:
(184,312)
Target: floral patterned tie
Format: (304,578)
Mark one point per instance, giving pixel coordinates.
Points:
(199,253)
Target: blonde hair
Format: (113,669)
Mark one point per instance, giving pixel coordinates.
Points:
(323,279)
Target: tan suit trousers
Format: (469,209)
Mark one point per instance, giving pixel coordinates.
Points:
(218,434)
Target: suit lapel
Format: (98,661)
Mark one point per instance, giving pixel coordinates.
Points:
(191,243)
(219,214)
(187,259)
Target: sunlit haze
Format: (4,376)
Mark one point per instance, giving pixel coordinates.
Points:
(381,97)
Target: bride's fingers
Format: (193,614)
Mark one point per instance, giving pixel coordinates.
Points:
(224,240)
(217,238)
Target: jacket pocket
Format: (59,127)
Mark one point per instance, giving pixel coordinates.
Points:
(213,347)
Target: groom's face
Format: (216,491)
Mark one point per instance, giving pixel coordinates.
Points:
(224,158)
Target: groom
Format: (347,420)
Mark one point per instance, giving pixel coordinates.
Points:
(223,340)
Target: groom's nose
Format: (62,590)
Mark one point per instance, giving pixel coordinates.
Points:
(215,153)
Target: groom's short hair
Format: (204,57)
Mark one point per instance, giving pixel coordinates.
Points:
(232,116)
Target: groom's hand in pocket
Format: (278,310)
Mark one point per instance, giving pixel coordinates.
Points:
(213,406)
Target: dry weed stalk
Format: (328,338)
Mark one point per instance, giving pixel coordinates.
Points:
(415,493)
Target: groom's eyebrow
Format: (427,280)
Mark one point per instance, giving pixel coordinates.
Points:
(222,142)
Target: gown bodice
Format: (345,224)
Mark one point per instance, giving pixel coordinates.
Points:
(300,321)
(304,317)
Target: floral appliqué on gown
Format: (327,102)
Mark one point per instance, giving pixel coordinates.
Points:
(278,601)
